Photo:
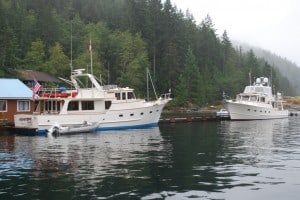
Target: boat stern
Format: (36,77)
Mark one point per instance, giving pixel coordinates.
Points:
(25,121)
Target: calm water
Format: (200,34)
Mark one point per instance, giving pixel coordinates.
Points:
(209,160)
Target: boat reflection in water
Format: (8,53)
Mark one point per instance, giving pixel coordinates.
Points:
(93,156)
(257,137)
(256,159)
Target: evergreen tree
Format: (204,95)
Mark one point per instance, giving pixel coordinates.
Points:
(58,63)
(35,57)
(189,83)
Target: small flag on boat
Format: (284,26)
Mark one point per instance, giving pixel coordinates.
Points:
(90,46)
(35,88)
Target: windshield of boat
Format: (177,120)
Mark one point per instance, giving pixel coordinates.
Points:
(258,89)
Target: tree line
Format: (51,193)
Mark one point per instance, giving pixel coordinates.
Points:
(128,36)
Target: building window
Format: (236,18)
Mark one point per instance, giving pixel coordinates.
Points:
(87,105)
(3,105)
(23,105)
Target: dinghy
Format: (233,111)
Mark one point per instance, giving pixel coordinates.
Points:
(85,127)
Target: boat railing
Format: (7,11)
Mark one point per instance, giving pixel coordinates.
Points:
(166,96)
(109,87)
(61,92)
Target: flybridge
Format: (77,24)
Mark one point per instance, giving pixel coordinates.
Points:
(81,80)
(261,86)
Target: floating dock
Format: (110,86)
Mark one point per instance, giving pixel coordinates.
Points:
(191,117)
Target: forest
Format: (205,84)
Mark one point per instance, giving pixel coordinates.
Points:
(126,38)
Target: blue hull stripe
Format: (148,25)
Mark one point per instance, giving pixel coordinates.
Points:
(127,127)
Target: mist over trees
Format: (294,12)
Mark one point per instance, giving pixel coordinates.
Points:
(127,37)
(287,68)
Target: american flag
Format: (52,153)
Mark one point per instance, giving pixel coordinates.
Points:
(36,86)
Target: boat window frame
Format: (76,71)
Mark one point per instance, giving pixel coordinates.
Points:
(124,95)
(118,95)
(131,95)
(253,98)
(107,104)
(87,105)
(52,106)
(73,106)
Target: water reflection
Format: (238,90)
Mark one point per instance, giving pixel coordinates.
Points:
(207,160)
(100,161)
(254,137)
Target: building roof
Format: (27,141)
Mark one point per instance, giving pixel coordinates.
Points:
(37,75)
(29,75)
(11,88)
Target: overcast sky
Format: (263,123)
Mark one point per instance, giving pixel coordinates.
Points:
(273,25)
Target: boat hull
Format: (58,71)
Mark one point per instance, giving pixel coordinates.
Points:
(243,111)
(143,117)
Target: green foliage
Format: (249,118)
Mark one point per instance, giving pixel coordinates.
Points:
(181,93)
(133,60)
(127,37)
(35,56)
(58,63)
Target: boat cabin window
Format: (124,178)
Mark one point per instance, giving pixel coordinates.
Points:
(107,105)
(52,106)
(262,99)
(118,96)
(245,98)
(73,105)
(87,105)
(130,95)
(253,98)
(124,95)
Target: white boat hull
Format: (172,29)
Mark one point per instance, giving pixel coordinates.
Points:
(110,106)
(142,117)
(243,111)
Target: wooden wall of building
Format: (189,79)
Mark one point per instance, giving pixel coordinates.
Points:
(7,118)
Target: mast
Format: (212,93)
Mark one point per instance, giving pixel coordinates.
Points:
(91,54)
(71,51)
(250,77)
(147,71)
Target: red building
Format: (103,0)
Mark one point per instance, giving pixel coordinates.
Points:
(15,98)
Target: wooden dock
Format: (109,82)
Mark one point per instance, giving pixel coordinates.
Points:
(190,117)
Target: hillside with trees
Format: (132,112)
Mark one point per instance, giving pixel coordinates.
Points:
(128,36)
(288,69)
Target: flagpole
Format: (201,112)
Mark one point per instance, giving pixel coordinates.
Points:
(91,55)
(71,64)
